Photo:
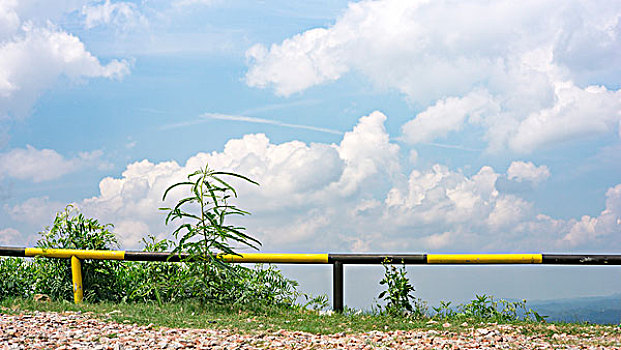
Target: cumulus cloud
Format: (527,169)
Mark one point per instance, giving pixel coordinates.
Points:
(527,171)
(522,68)
(46,164)
(448,115)
(350,196)
(131,232)
(23,78)
(576,113)
(34,54)
(601,229)
(294,175)
(39,211)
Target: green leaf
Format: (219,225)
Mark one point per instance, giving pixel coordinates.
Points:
(175,185)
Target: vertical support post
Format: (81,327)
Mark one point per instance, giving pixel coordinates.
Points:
(76,273)
(337,286)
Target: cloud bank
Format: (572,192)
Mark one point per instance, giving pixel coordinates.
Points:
(519,72)
(354,196)
(42,165)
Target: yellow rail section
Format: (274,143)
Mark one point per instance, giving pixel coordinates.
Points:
(120,255)
(296,257)
(484,258)
(276,258)
(80,254)
(76,277)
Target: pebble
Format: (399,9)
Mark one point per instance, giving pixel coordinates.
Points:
(77,331)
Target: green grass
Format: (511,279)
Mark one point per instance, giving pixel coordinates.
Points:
(189,314)
(266,319)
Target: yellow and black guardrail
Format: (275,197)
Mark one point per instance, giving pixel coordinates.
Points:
(337,261)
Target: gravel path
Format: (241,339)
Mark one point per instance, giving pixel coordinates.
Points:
(48,330)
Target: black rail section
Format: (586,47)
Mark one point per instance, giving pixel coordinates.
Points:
(155,256)
(338,293)
(374,259)
(13,251)
(577,259)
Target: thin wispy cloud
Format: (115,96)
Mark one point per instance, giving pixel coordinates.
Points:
(440,145)
(447,146)
(279,106)
(245,119)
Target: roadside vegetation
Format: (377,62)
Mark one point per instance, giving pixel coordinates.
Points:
(204,292)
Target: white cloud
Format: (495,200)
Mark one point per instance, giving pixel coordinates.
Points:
(131,232)
(122,15)
(527,171)
(293,175)
(38,12)
(347,196)
(508,211)
(245,119)
(413,158)
(603,229)
(577,113)
(10,236)
(46,164)
(34,54)
(37,211)
(440,240)
(523,68)
(448,115)
(9,20)
(442,198)
(184,3)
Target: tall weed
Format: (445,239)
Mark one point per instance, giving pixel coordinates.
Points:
(398,296)
(203,234)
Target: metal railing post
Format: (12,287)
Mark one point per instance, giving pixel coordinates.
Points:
(76,273)
(337,286)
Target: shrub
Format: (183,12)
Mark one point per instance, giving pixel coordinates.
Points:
(16,276)
(155,281)
(72,230)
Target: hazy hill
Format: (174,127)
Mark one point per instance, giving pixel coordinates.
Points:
(601,309)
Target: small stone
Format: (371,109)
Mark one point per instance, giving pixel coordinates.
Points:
(42,298)
(483,331)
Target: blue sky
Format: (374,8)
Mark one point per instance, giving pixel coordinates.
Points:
(373,126)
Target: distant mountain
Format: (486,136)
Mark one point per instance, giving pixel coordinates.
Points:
(601,309)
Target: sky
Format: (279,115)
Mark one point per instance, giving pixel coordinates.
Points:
(371,126)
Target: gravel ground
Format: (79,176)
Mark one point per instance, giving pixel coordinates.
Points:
(70,330)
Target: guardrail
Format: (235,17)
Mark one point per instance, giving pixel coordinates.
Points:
(337,261)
